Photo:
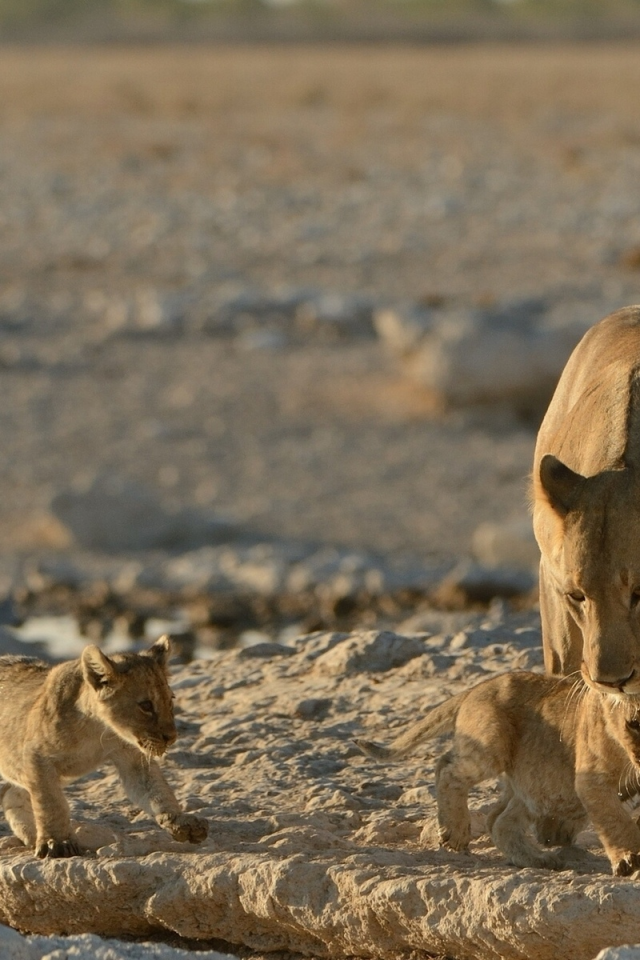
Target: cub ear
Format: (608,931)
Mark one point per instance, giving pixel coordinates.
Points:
(560,484)
(160,651)
(97,669)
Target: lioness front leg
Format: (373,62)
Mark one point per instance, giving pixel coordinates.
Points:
(146,787)
(618,832)
(50,812)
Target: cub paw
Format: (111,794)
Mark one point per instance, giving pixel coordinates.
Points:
(186,828)
(552,832)
(457,840)
(626,865)
(550,861)
(57,849)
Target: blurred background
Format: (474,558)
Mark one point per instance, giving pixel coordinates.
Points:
(318,20)
(284,291)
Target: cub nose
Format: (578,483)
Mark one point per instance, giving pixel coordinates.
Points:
(169,738)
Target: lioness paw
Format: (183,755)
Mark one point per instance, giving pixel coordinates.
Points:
(186,828)
(627,865)
(57,849)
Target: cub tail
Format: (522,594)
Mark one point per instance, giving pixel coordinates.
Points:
(438,721)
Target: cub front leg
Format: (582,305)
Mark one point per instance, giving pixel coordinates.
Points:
(49,809)
(618,832)
(146,787)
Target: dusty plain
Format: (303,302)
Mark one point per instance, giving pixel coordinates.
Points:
(467,174)
(142,190)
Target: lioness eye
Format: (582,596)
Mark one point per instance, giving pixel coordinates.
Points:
(577,596)
(634,725)
(146,706)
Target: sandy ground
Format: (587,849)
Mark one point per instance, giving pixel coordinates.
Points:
(458,174)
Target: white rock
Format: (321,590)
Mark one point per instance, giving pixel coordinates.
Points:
(507,544)
(113,513)
(471,582)
(401,329)
(370,652)
(89,947)
(10,643)
(465,362)
(15,947)
(153,312)
(466,357)
(335,316)
(626,952)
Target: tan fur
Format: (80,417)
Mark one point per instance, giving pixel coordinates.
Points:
(586,510)
(565,751)
(58,723)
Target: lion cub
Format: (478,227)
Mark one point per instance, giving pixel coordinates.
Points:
(566,752)
(58,723)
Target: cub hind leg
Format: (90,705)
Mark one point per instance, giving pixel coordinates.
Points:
(509,833)
(553,831)
(467,764)
(18,812)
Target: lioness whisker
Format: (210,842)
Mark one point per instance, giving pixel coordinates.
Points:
(575,693)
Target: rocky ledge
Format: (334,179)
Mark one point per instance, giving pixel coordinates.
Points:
(313,848)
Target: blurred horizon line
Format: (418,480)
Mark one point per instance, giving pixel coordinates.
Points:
(332,21)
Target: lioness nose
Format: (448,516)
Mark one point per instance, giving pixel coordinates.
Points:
(614,684)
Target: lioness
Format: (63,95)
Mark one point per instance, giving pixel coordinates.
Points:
(58,723)
(586,509)
(565,750)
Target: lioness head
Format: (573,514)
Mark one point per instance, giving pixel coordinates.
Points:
(589,532)
(132,696)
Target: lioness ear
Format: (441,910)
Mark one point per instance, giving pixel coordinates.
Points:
(161,651)
(98,670)
(560,483)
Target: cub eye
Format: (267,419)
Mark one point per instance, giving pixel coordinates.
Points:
(635,598)
(634,725)
(577,596)
(146,706)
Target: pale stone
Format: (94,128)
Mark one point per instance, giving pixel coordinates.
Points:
(506,544)
(367,904)
(114,513)
(506,355)
(89,947)
(401,329)
(370,651)
(626,952)
(15,947)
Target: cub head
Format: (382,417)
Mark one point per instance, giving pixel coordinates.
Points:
(623,720)
(588,529)
(131,694)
